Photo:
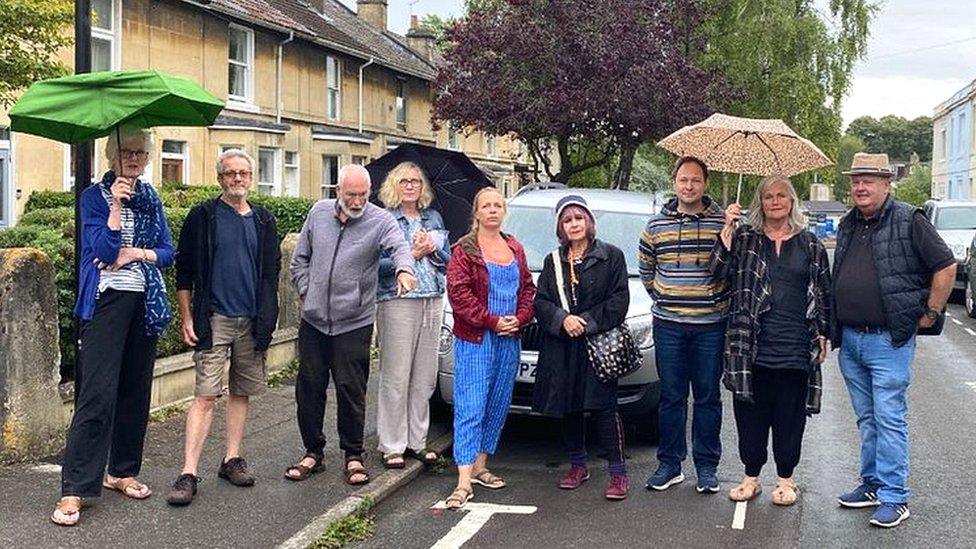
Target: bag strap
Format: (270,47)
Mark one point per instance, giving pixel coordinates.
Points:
(557,266)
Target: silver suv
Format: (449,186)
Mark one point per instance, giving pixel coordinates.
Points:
(955,220)
(620,218)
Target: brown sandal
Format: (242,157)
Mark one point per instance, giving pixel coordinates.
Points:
(305,471)
(488,480)
(129,487)
(747,490)
(458,498)
(67,512)
(356,470)
(786,492)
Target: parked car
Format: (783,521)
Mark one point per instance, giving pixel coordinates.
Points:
(620,218)
(955,220)
(970,290)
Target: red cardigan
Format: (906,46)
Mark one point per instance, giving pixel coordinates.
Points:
(467,288)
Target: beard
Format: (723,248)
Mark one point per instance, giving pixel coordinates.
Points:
(351,213)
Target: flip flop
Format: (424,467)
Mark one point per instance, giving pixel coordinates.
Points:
(129,487)
(67,512)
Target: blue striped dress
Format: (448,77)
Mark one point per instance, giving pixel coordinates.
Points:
(484,373)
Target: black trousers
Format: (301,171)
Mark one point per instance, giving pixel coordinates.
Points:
(780,405)
(346,357)
(112,390)
(609,430)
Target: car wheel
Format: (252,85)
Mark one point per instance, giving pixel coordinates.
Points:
(970,298)
(439,409)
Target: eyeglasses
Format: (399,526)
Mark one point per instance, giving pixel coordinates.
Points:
(232,174)
(129,153)
(408,183)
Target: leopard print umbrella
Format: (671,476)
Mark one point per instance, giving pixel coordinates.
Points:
(749,146)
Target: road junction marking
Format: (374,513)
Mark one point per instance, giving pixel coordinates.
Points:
(739,517)
(477,516)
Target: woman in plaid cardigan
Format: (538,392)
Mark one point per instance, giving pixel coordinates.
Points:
(776,340)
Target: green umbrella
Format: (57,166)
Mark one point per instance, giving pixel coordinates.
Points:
(83,107)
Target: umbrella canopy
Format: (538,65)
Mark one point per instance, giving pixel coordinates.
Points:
(746,146)
(453,177)
(83,107)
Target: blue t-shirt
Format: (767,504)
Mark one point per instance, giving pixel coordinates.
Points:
(233,288)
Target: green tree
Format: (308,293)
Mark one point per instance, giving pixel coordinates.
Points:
(849,146)
(895,135)
(917,187)
(32,32)
(791,59)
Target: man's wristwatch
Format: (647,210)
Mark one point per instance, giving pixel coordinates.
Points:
(932,314)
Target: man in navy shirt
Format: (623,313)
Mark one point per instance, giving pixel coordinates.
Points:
(228,264)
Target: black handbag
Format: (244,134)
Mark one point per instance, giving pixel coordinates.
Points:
(613,354)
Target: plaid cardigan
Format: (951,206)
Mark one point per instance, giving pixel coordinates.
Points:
(746,271)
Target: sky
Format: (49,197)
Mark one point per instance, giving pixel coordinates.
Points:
(919,53)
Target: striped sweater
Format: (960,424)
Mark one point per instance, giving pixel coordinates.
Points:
(673,259)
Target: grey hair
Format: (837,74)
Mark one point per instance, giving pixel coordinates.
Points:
(797,220)
(351,168)
(233,153)
(124,135)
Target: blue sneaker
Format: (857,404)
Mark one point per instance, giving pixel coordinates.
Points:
(862,496)
(890,515)
(665,477)
(707,481)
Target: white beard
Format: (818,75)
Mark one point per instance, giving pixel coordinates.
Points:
(351,214)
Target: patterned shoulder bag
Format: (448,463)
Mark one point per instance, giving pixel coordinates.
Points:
(613,353)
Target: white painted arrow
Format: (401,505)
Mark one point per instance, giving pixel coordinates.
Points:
(478,515)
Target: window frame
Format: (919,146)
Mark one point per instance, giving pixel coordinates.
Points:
(453,139)
(111,35)
(275,184)
(333,87)
(326,173)
(295,168)
(248,64)
(183,156)
(400,103)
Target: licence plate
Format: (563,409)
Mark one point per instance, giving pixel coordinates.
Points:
(526,373)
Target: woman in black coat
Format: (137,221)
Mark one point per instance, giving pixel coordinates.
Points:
(594,277)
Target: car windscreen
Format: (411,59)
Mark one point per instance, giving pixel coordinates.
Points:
(956,217)
(535,228)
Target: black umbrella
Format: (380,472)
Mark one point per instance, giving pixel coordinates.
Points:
(453,177)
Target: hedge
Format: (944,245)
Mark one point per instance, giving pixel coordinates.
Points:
(47,224)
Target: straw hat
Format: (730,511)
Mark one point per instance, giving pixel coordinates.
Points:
(870,164)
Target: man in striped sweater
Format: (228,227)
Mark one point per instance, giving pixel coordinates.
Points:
(689,325)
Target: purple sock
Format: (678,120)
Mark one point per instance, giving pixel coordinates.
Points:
(577,459)
(619,468)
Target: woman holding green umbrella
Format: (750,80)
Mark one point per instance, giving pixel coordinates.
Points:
(123,307)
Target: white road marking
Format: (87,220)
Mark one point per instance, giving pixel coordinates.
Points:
(958,323)
(477,516)
(739,517)
(46,468)
(970,332)
(947,313)
(971,385)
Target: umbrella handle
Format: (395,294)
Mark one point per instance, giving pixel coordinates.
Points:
(738,190)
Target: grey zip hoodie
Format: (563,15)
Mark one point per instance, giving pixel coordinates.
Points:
(334,265)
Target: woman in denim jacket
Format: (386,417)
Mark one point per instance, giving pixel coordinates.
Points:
(408,325)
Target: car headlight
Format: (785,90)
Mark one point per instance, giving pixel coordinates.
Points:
(959,251)
(642,328)
(446,341)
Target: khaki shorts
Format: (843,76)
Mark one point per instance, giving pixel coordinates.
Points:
(233,343)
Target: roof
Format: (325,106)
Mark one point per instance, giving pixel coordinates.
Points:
(337,28)
(597,199)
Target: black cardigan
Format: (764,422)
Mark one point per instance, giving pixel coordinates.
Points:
(194,260)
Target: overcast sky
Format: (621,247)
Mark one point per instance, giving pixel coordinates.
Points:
(919,53)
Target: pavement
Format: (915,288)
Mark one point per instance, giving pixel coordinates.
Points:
(942,425)
(222,515)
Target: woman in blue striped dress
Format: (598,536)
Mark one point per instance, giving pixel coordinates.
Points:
(491,293)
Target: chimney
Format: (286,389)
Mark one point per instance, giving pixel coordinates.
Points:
(373,12)
(420,40)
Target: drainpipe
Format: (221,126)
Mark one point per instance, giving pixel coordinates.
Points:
(278,71)
(361,67)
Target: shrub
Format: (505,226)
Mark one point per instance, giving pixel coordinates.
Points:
(290,213)
(55,218)
(41,200)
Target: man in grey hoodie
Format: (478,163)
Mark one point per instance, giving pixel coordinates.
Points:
(334,270)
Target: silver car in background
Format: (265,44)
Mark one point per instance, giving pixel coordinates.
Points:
(955,221)
(620,218)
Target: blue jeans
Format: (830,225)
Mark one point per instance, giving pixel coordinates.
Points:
(688,355)
(877,376)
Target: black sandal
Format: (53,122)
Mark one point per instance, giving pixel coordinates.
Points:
(303,470)
(351,471)
(393,461)
(421,455)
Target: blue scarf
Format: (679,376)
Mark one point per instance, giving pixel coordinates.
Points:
(149,227)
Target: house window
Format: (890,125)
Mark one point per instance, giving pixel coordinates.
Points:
(361,160)
(104,43)
(68,177)
(5,186)
(944,145)
(401,105)
(333,82)
(330,175)
(175,163)
(240,64)
(225,148)
(452,138)
(291,174)
(269,173)
(490,145)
